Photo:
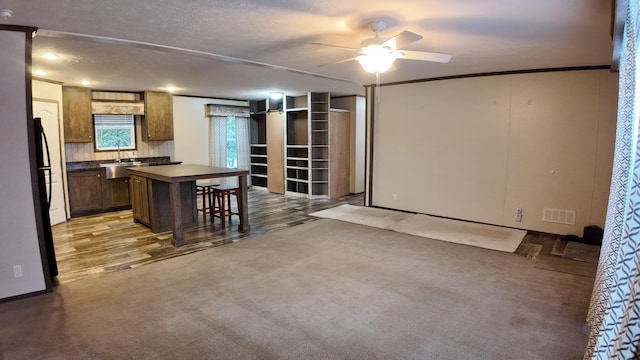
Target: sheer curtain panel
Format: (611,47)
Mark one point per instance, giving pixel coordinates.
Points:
(218,143)
(242,142)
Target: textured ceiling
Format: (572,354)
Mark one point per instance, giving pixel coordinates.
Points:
(183,43)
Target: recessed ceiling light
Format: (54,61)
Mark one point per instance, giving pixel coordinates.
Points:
(40,72)
(50,56)
(276,95)
(171,88)
(5,14)
(85,82)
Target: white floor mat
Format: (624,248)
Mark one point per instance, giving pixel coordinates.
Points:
(379,218)
(456,231)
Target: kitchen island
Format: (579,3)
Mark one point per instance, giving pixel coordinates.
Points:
(172,188)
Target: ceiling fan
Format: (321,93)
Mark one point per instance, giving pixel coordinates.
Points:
(378,54)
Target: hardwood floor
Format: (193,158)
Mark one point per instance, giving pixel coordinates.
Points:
(93,245)
(98,244)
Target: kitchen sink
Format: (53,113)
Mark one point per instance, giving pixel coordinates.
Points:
(119,170)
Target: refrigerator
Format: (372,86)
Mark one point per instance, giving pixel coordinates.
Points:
(44,191)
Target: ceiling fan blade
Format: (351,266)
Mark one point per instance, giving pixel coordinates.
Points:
(336,46)
(401,40)
(425,56)
(338,62)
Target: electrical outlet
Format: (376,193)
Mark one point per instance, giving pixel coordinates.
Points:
(17,271)
(395,196)
(519,214)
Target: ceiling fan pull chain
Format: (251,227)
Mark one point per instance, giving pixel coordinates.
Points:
(378,87)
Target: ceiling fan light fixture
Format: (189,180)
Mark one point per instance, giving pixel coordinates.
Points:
(376,63)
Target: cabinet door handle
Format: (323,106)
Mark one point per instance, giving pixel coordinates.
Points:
(98,175)
(90,137)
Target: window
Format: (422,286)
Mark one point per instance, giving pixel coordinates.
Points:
(113,131)
(232,153)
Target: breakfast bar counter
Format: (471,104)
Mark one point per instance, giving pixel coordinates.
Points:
(177,183)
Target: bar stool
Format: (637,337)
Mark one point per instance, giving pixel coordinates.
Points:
(205,188)
(222,195)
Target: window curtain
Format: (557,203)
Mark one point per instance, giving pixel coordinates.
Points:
(218,144)
(242,143)
(614,313)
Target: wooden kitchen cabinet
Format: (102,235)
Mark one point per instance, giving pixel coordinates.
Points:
(140,199)
(151,203)
(90,192)
(158,116)
(77,118)
(85,191)
(116,194)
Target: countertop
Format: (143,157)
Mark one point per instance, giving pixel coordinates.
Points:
(187,172)
(95,164)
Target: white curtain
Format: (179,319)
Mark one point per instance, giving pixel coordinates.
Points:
(614,313)
(218,143)
(242,142)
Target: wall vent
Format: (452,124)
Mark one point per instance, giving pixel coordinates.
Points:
(559,216)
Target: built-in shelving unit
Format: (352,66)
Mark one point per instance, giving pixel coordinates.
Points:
(297,145)
(259,165)
(308,157)
(262,132)
(258,143)
(319,144)
(300,146)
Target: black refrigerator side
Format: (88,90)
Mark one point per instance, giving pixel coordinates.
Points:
(44,190)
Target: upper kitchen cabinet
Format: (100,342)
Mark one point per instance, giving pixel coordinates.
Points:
(78,122)
(158,116)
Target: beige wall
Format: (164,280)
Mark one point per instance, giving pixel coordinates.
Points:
(478,148)
(49,91)
(356,106)
(18,231)
(191,130)
(191,127)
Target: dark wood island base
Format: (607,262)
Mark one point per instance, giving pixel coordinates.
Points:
(164,197)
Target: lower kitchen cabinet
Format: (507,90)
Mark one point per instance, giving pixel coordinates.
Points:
(140,200)
(85,191)
(116,193)
(91,192)
(151,203)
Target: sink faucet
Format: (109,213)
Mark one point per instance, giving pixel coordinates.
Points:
(119,159)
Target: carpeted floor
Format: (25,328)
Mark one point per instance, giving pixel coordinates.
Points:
(322,290)
(432,227)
